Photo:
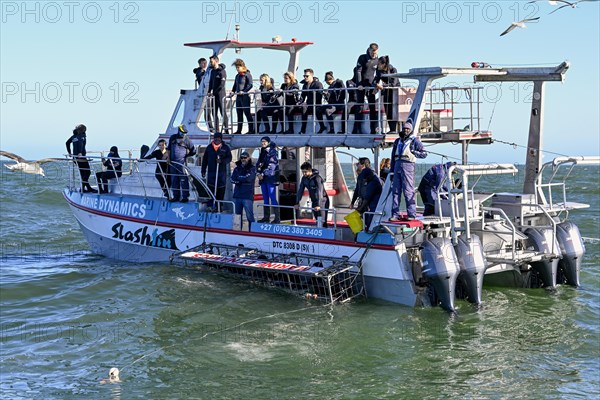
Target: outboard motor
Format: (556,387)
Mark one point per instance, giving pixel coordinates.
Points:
(572,250)
(541,239)
(441,268)
(472,266)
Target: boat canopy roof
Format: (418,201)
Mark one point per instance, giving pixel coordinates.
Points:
(219,46)
(554,73)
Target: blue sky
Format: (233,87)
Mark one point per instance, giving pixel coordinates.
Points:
(118,66)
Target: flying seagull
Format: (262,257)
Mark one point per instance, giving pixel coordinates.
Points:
(29,167)
(569,4)
(520,24)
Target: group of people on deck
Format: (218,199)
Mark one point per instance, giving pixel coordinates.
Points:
(171,175)
(276,108)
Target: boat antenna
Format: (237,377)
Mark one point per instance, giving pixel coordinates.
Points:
(229,27)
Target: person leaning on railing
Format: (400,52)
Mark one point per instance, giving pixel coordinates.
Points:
(267,168)
(268,103)
(244,177)
(312,99)
(161,173)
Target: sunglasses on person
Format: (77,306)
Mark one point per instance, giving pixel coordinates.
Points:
(243,158)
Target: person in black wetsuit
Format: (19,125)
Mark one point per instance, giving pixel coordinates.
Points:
(241,86)
(312,98)
(366,67)
(79,140)
(216,87)
(114,166)
(289,92)
(314,183)
(336,100)
(386,85)
(200,71)
(161,155)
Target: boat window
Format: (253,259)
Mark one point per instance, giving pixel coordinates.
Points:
(178,120)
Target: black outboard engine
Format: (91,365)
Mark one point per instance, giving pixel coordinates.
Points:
(441,268)
(541,240)
(472,266)
(572,250)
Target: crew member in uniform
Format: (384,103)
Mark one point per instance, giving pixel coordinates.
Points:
(430,183)
(407,148)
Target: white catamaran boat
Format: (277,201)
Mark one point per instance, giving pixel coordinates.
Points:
(522,239)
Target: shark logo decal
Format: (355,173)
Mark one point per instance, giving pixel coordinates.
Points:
(180,214)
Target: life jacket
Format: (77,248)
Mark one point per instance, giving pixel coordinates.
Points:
(405,154)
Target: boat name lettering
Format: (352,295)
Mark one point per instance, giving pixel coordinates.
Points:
(164,240)
(115,206)
(302,247)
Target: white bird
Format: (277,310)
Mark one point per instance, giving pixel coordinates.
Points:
(29,167)
(520,24)
(569,4)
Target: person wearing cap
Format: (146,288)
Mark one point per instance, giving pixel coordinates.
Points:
(361,166)
(430,183)
(267,168)
(180,148)
(370,192)
(336,100)
(244,177)
(215,161)
(78,140)
(407,148)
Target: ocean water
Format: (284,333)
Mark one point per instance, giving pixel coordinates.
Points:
(68,316)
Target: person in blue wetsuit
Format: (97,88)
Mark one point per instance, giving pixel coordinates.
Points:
(180,148)
(243,177)
(430,183)
(407,148)
(267,168)
(114,165)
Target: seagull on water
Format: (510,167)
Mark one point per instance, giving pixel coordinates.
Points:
(29,167)
(520,24)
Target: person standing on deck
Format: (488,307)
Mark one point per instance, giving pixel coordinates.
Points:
(161,155)
(336,101)
(241,86)
(243,177)
(267,168)
(180,148)
(79,140)
(363,164)
(217,157)
(200,71)
(370,192)
(366,68)
(216,87)
(314,183)
(312,99)
(386,85)
(407,148)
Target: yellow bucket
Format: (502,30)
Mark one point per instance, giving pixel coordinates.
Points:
(354,221)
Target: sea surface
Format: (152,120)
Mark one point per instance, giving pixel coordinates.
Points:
(68,316)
